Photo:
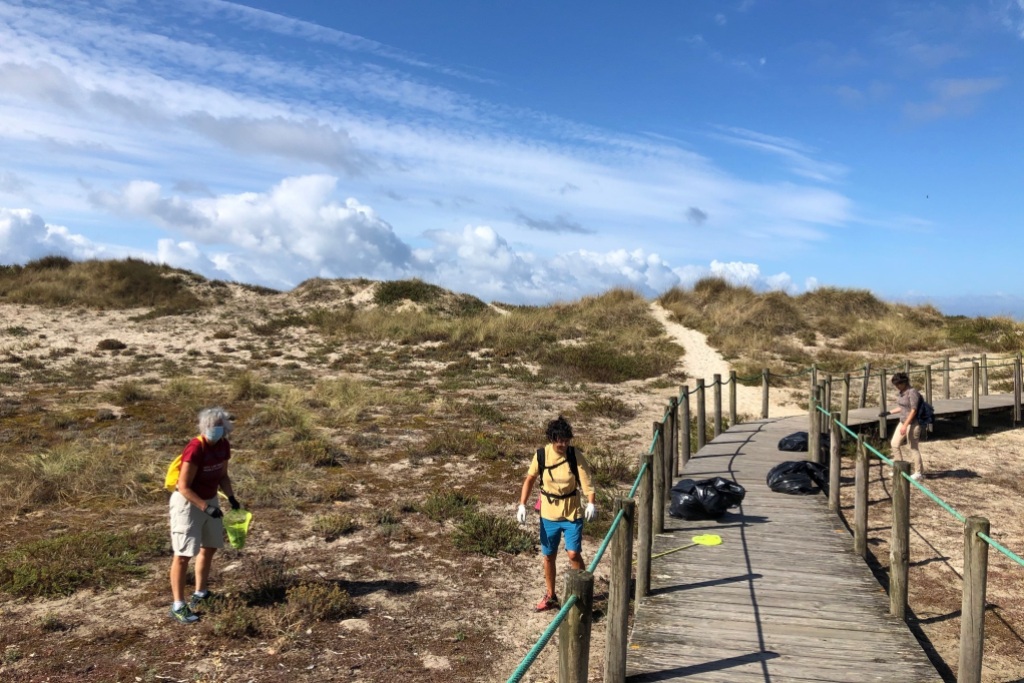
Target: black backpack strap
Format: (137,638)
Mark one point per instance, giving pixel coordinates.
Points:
(573,465)
(570,456)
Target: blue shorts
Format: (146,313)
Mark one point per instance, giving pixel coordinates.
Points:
(551,534)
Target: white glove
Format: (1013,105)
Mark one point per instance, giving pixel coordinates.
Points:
(521,514)
(590,512)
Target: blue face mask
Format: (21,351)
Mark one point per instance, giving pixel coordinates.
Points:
(214,434)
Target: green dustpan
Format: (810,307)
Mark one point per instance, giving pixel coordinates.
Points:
(236,523)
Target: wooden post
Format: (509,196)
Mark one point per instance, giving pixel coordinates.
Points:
(864,386)
(658,468)
(984,374)
(972,610)
(813,377)
(975,394)
(823,397)
(845,408)
(574,633)
(620,571)
(828,398)
(684,436)
(1018,376)
(702,420)
(670,442)
(860,502)
(834,464)
(945,378)
(928,391)
(643,532)
(732,398)
(883,411)
(814,428)
(716,389)
(765,381)
(899,545)
(906,366)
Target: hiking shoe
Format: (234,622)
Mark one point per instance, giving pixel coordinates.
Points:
(197,600)
(917,476)
(547,602)
(184,615)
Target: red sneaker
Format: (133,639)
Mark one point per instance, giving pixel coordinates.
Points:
(547,602)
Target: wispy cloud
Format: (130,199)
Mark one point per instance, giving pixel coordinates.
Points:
(952,97)
(796,154)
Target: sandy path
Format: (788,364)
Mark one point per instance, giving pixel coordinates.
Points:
(704,362)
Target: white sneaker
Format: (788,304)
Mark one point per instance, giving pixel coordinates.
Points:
(916,476)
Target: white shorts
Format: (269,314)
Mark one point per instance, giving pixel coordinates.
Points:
(192,529)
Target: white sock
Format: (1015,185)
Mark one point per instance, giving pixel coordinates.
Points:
(201,594)
(178,605)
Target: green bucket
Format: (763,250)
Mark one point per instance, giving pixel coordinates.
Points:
(236,523)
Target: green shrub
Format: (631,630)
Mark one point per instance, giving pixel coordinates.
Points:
(233,618)
(601,362)
(246,387)
(417,291)
(443,505)
(332,526)
(111,345)
(129,392)
(488,534)
(611,468)
(313,602)
(597,405)
(59,566)
(267,580)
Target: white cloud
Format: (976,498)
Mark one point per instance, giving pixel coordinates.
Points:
(25,236)
(737,273)
(297,228)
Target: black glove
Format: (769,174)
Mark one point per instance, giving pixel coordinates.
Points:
(235,505)
(214,512)
(883,415)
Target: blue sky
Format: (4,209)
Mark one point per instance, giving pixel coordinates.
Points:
(526,151)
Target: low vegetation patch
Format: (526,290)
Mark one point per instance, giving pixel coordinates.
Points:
(60,566)
(488,534)
(444,505)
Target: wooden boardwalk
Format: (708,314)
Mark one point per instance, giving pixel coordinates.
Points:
(944,408)
(783,599)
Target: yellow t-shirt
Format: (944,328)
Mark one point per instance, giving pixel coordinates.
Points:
(558,480)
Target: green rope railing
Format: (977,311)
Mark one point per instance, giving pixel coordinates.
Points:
(943,504)
(531,656)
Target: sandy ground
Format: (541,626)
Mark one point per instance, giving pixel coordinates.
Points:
(978,474)
(703,362)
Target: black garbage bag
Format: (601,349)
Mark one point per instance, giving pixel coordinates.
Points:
(798,441)
(704,499)
(799,477)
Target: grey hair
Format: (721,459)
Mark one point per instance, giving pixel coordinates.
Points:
(208,418)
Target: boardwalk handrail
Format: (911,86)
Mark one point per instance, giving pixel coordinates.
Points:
(924,489)
(975,571)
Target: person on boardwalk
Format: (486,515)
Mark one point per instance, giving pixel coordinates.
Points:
(909,429)
(197,526)
(563,473)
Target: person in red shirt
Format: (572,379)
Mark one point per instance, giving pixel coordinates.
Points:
(197,526)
